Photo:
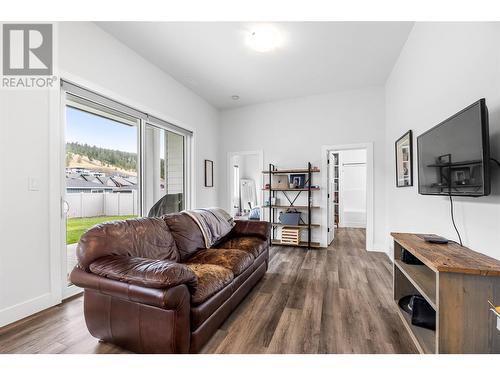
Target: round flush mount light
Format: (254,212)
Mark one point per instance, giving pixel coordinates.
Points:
(235,97)
(264,38)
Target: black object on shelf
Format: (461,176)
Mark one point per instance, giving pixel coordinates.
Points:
(422,313)
(409,258)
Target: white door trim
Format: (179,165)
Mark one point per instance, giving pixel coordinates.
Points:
(369,189)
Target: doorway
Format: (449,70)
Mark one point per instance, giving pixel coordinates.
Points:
(349,194)
(346,190)
(244,182)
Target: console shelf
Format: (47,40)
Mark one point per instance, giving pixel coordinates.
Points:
(422,277)
(307,188)
(425,339)
(457,282)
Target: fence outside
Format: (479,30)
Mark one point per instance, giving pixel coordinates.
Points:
(102,204)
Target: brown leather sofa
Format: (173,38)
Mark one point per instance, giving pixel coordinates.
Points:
(150,286)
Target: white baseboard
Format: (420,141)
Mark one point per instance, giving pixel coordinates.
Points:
(380,248)
(353,224)
(17,312)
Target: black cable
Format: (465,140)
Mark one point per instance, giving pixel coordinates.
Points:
(451,209)
(453,221)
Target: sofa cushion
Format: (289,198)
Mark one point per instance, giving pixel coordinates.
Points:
(253,245)
(211,279)
(142,237)
(186,233)
(201,312)
(151,273)
(235,260)
(245,228)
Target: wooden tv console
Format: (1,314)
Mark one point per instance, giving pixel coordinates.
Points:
(457,282)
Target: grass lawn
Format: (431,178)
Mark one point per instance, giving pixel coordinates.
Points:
(76,226)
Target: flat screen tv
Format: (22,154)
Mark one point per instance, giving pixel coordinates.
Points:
(454,156)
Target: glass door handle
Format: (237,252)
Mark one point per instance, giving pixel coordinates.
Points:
(64,206)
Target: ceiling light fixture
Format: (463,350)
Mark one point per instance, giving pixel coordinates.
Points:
(235,97)
(264,38)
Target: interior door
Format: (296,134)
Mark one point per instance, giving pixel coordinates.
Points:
(330,195)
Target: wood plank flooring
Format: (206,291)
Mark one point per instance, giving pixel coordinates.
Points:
(335,300)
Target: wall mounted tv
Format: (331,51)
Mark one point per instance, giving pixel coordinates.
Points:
(454,156)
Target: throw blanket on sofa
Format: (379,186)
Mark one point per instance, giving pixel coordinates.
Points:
(214,223)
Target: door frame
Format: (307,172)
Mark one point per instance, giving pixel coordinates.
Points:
(369,189)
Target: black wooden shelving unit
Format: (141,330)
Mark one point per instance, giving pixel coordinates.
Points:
(291,200)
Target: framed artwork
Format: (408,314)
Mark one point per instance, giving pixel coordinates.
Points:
(404,160)
(209,173)
(298,180)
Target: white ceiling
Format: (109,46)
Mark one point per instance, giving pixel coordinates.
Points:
(213,60)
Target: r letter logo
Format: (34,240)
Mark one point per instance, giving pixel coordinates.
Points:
(27,49)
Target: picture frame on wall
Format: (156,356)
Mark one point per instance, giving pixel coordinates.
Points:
(404,160)
(209,173)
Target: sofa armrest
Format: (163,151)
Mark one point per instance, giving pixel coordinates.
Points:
(167,299)
(150,273)
(244,228)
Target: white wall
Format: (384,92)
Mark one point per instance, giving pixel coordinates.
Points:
(291,133)
(29,263)
(443,68)
(25,283)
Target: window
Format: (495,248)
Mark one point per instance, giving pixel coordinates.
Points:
(163,149)
(164,169)
(119,162)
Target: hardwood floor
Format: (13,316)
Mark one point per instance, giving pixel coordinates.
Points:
(335,300)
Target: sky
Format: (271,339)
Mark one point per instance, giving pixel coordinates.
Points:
(83,127)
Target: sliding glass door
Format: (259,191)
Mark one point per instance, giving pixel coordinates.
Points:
(101,170)
(118,163)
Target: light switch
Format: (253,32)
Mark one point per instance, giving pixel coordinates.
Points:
(34,184)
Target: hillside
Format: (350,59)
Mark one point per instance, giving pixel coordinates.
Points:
(100,159)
